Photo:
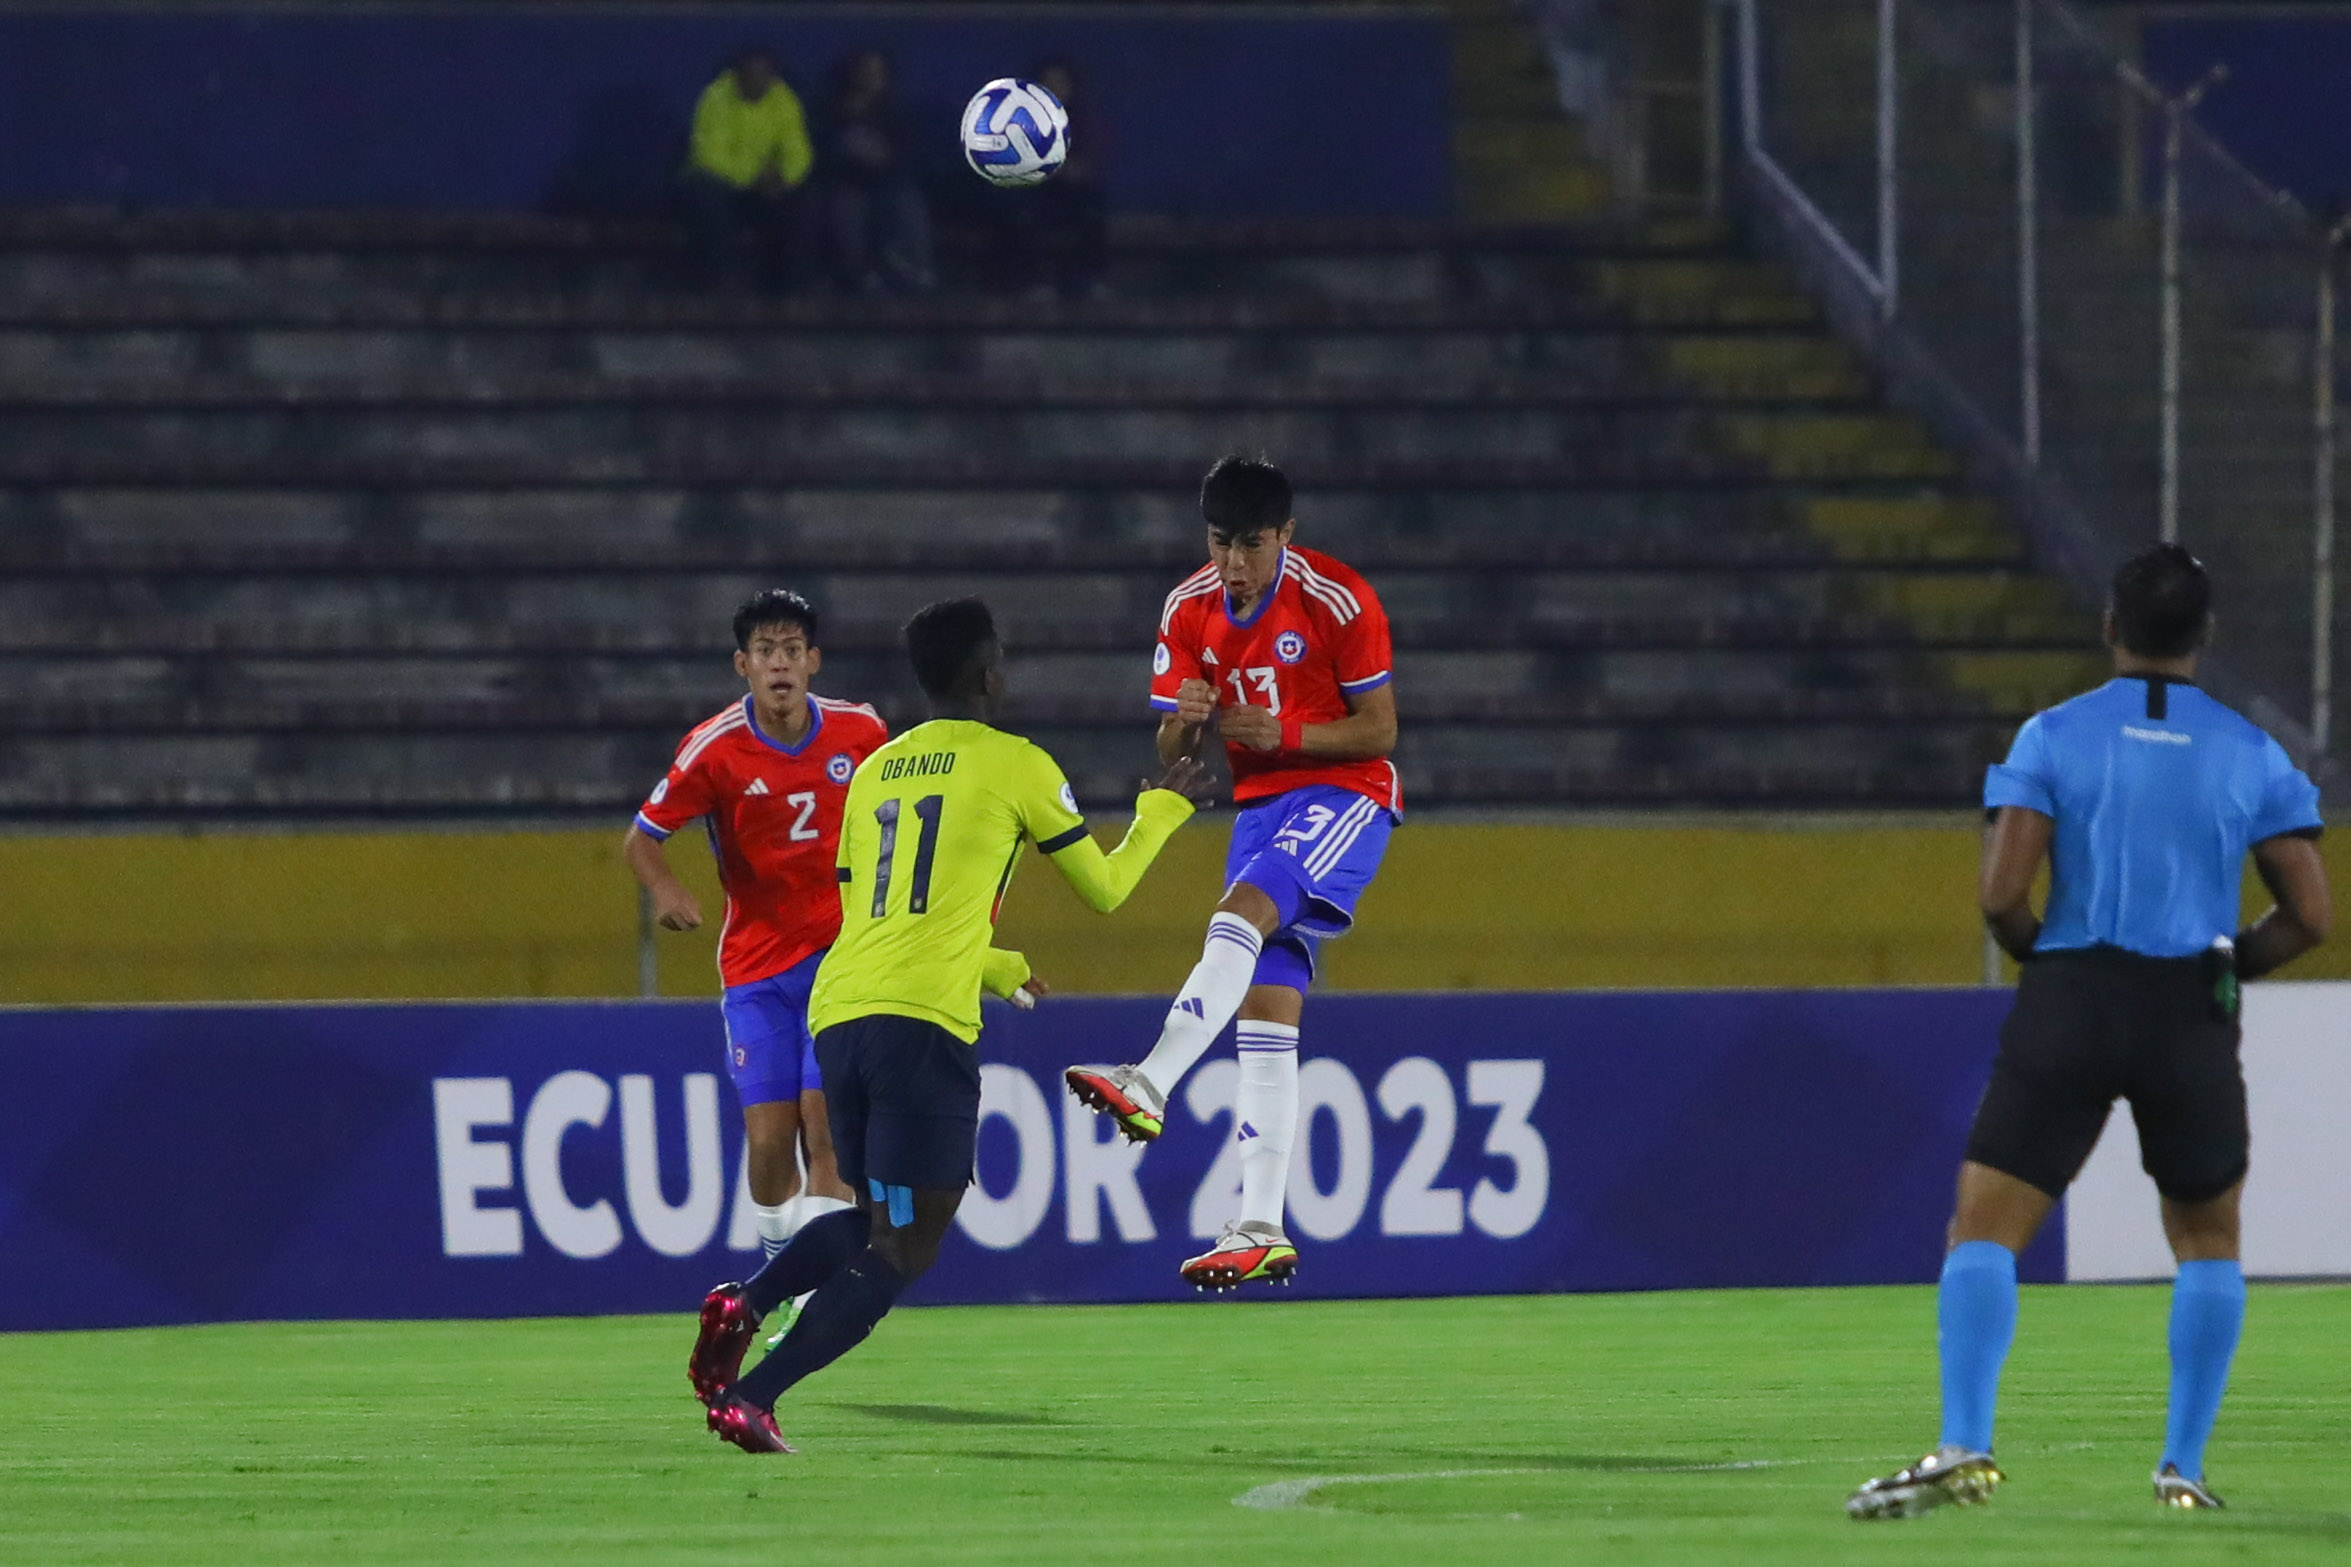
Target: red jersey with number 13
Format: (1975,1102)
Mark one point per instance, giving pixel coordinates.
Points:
(1317,638)
(774,814)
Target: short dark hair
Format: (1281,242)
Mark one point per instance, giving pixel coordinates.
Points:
(945,640)
(774,607)
(1244,495)
(2162,602)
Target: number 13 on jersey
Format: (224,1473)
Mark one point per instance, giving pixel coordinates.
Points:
(1268,688)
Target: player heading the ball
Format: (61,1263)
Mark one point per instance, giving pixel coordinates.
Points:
(768,774)
(934,826)
(1286,651)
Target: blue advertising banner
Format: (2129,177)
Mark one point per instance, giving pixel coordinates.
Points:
(180,1165)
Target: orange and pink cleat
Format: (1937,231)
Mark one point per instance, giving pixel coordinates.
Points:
(1120,1092)
(1246,1251)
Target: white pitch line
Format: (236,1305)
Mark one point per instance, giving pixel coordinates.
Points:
(1292,1494)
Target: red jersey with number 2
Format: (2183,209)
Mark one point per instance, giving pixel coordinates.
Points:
(1317,638)
(774,815)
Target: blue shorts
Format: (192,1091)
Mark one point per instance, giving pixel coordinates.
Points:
(769,1053)
(1312,851)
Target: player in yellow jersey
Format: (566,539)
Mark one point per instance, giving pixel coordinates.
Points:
(931,834)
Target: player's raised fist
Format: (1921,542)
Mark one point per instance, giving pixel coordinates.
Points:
(1195,702)
(674,908)
(1255,727)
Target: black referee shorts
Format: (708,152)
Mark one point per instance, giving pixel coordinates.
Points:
(2095,1026)
(903,1098)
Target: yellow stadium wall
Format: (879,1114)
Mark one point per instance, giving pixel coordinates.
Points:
(236,917)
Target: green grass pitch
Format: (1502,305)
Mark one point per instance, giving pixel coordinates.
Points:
(1526,1431)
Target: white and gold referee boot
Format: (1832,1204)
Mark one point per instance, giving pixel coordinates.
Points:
(1948,1475)
(2174,1489)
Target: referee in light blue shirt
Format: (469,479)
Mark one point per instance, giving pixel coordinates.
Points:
(2145,796)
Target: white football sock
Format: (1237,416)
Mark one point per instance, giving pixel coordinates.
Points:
(778,1222)
(813,1207)
(1265,1118)
(1207,1002)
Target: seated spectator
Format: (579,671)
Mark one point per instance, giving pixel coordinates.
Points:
(741,188)
(1056,235)
(879,217)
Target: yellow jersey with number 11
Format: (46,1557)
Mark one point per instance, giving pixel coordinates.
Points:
(930,836)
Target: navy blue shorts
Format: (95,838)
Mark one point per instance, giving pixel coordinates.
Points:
(903,1100)
(769,1053)
(1313,851)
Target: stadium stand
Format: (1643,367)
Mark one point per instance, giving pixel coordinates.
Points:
(336,515)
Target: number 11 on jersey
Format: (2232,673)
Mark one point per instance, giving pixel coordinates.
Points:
(926,848)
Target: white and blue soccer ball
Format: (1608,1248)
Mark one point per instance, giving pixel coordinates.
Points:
(1014,132)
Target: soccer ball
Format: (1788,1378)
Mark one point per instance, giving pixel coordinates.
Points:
(1014,132)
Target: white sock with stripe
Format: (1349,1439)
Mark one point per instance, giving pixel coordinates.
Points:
(1219,983)
(1265,1118)
(778,1222)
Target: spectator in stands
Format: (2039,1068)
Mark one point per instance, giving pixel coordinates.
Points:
(879,217)
(746,166)
(1057,234)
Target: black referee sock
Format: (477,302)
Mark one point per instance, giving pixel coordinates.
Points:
(834,1322)
(814,1254)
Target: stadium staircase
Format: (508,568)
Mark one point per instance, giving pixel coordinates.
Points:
(344,516)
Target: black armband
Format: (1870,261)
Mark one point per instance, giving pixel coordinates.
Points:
(2246,969)
(2031,942)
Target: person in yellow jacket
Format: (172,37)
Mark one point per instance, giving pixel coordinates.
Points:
(747,164)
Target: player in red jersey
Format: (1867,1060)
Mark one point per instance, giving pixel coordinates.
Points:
(1287,652)
(768,776)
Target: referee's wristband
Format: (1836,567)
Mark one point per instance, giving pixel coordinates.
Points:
(1293,734)
(2244,970)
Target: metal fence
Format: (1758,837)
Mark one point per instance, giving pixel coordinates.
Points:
(2118,322)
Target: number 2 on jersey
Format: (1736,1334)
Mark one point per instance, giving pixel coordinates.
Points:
(926,849)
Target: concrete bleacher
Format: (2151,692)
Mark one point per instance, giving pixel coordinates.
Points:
(340,516)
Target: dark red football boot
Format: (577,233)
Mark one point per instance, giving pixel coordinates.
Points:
(745,1424)
(728,1327)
